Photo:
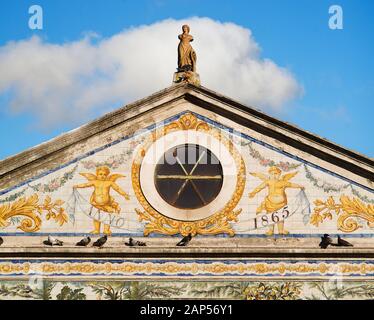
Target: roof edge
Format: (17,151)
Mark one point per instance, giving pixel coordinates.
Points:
(159,98)
(25,157)
(289,126)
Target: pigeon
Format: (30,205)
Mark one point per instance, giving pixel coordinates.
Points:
(47,243)
(52,242)
(1,241)
(135,243)
(185,240)
(325,241)
(84,242)
(55,242)
(343,243)
(100,242)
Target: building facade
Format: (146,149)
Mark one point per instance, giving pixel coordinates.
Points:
(255,193)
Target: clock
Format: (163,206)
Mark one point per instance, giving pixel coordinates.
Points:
(188,178)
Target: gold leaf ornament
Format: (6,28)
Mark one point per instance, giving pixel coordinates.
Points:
(349,210)
(31,211)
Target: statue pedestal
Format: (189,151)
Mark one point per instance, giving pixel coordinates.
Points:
(186,77)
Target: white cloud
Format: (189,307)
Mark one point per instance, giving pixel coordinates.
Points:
(64,82)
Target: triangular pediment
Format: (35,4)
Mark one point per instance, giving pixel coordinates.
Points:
(311,169)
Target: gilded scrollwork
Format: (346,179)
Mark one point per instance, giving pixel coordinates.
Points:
(32,210)
(219,222)
(173,268)
(349,210)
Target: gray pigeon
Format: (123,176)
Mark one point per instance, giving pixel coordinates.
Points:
(185,240)
(52,242)
(100,242)
(84,242)
(343,243)
(135,243)
(325,241)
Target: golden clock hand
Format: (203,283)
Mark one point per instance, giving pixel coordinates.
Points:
(198,192)
(180,191)
(193,169)
(171,176)
(181,165)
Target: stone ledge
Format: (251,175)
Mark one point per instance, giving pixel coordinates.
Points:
(199,248)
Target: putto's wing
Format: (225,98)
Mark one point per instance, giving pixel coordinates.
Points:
(259,175)
(289,176)
(88,176)
(113,177)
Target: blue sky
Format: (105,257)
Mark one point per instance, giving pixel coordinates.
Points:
(334,67)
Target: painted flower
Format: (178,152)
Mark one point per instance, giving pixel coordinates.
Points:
(285,166)
(89,164)
(115,164)
(53,184)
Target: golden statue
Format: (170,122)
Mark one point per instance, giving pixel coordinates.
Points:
(186,54)
(276,198)
(101,199)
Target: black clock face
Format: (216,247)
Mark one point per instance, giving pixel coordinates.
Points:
(188,176)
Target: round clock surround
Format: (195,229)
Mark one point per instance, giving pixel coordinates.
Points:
(157,150)
(161,217)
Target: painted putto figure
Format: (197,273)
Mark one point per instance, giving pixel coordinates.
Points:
(276,198)
(101,199)
(186,54)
